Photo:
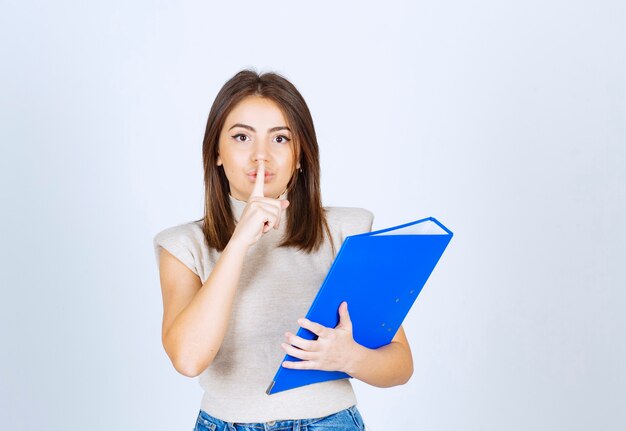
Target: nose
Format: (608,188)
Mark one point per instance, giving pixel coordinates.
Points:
(260,151)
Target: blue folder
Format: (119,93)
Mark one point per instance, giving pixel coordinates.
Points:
(380,274)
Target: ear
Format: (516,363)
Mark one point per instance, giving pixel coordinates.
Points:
(298,165)
(219,160)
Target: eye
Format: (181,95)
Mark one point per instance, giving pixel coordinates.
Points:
(281,139)
(238,137)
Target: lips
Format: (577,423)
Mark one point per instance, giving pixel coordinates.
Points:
(253,172)
(252,176)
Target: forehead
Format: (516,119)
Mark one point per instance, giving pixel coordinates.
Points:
(256,111)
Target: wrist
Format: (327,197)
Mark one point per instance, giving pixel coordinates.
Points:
(356,359)
(237,246)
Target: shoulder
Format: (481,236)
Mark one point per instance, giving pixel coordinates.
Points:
(349,220)
(189,230)
(184,241)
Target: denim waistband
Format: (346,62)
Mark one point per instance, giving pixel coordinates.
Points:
(207,422)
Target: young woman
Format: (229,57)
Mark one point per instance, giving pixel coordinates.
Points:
(237,283)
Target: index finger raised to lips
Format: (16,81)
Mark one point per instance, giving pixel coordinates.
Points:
(260,181)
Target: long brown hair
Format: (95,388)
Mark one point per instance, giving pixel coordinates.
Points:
(306,220)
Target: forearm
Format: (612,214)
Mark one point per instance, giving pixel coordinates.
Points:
(195,336)
(387,366)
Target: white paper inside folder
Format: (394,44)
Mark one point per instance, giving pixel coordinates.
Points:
(426,227)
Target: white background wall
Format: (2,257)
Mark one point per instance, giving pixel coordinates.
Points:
(505,120)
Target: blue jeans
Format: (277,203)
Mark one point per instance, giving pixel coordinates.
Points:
(346,420)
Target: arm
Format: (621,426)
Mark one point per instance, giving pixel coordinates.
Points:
(384,367)
(195,316)
(336,350)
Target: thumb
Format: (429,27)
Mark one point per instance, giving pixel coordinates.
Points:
(344,316)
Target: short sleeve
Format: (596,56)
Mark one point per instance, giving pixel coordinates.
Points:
(179,241)
(348,221)
(364,219)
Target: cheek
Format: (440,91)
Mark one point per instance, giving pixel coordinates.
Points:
(229,167)
(286,170)
(231,160)
(287,162)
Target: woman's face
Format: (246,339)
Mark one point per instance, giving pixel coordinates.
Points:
(256,130)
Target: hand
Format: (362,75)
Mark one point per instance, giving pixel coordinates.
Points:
(334,349)
(260,213)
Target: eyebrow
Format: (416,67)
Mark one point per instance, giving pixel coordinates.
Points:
(273,129)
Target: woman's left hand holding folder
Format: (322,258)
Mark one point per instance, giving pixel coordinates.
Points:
(334,349)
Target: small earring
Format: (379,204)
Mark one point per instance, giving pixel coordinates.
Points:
(300,169)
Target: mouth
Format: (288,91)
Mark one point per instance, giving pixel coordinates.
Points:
(252,175)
